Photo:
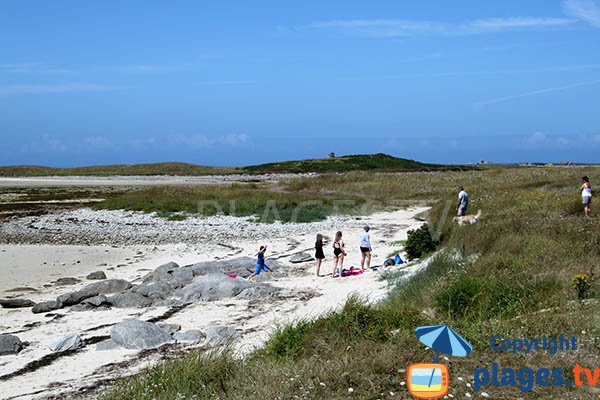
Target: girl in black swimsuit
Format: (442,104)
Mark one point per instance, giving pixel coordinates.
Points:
(338,254)
(319,255)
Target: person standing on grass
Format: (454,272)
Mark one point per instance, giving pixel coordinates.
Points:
(338,254)
(586,195)
(463,202)
(319,255)
(365,248)
(260,264)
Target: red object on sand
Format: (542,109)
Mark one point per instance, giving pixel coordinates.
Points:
(232,276)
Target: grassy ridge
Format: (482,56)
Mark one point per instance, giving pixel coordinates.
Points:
(167,168)
(368,162)
(510,274)
(380,162)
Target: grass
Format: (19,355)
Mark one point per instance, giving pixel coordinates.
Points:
(265,203)
(509,274)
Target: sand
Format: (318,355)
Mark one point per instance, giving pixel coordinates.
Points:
(307,296)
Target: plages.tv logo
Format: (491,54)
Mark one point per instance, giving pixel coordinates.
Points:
(431,380)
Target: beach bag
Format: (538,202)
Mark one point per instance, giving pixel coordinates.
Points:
(389,262)
(398,260)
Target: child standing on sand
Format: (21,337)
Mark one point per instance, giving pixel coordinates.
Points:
(319,255)
(260,264)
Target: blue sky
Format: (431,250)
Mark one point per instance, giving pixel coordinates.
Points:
(232,83)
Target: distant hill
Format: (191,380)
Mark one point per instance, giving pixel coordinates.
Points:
(361,162)
(365,162)
(167,168)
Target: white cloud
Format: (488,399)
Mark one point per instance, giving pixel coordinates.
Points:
(408,28)
(540,139)
(12,90)
(203,141)
(586,10)
(533,93)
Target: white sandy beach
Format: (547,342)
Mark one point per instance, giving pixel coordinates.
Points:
(304,296)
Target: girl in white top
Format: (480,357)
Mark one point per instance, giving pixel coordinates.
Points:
(586,195)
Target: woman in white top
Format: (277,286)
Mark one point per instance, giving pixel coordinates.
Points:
(586,195)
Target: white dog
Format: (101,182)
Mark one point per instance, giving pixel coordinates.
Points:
(468,219)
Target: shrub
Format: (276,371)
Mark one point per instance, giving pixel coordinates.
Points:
(581,283)
(419,242)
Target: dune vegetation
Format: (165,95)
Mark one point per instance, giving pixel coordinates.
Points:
(510,274)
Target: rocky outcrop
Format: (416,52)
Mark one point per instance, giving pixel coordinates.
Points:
(172,274)
(135,334)
(130,300)
(212,287)
(108,286)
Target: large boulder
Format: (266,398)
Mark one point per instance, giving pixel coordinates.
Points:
(71,341)
(130,300)
(135,334)
(170,328)
(16,303)
(155,290)
(96,276)
(212,287)
(170,273)
(259,291)
(10,344)
(216,335)
(45,306)
(301,258)
(239,266)
(72,298)
(108,286)
(191,336)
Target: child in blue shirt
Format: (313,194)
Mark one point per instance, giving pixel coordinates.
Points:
(260,264)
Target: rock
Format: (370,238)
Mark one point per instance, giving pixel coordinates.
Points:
(155,290)
(97,301)
(258,292)
(170,273)
(16,303)
(66,281)
(107,345)
(191,336)
(108,286)
(170,328)
(70,299)
(82,307)
(130,300)
(71,341)
(45,306)
(216,335)
(97,275)
(10,344)
(212,287)
(135,334)
(300,258)
(22,289)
